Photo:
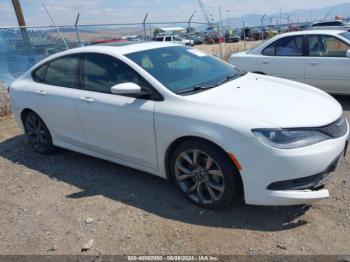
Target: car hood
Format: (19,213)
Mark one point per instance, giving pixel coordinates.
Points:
(276,101)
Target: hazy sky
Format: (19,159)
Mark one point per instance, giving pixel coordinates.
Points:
(124,11)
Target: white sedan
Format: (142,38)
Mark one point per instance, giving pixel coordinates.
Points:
(320,58)
(180,114)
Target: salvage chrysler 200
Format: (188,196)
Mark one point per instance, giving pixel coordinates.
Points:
(178,113)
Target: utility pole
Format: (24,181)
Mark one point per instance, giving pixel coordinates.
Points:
(21,22)
(19,13)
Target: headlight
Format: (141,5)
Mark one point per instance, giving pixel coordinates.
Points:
(289,138)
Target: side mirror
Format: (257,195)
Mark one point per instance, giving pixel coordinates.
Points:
(126,89)
(348,53)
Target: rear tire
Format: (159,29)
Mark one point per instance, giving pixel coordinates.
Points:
(38,134)
(205,174)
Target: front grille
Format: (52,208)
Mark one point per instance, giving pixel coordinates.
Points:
(335,129)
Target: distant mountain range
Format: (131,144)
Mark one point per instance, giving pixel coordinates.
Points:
(300,15)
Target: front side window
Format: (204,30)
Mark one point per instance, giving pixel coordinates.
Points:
(168,38)
(327,46)
(181,68)
(101,72)
(287,46)
(62,71)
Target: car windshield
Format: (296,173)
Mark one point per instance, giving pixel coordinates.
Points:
(345,35)
(183,69)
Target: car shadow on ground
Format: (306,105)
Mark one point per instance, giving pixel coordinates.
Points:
(149,193)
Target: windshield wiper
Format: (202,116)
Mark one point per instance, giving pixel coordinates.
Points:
(229,78)
(196,88)
(206,87)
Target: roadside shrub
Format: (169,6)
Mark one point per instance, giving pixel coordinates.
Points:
(4,101)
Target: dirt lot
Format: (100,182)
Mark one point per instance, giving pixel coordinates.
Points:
(56,204)
(227,48)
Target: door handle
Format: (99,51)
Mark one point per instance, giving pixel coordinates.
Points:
(87,99)
(41,92)
(266,62)
(313,63)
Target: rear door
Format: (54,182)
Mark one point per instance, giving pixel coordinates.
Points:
(328,67)
(284,58)
(57,98)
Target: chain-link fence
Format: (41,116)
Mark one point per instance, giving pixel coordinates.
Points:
(21,48)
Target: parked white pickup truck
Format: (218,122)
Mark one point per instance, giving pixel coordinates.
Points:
(173,38)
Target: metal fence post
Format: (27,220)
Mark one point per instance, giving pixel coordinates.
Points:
(262,27)
(245,44)
(144,27)
(189,28)
(77,29)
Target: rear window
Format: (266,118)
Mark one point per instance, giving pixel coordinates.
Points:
(331,23)
(345,35)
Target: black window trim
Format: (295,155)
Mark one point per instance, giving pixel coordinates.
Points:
(155,95)
(47,64)
(307,45)
(304,47)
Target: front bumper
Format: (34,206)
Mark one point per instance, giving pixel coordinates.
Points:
(313,182)
(265,168)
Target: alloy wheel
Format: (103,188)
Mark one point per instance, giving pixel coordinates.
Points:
(37,133)
(199,176)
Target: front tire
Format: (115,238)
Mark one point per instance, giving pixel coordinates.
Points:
(205,174)
(38,134)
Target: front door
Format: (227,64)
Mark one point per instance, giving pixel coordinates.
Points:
(284,58)
(117,126)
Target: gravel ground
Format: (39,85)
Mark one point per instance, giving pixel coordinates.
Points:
(62,203)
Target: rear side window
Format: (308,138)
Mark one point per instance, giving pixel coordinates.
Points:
(39,74)
(287,46)
(168,38)
(63,72)
(327,46)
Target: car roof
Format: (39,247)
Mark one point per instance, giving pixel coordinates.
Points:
(120,48)
(314,32)
(116,49)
